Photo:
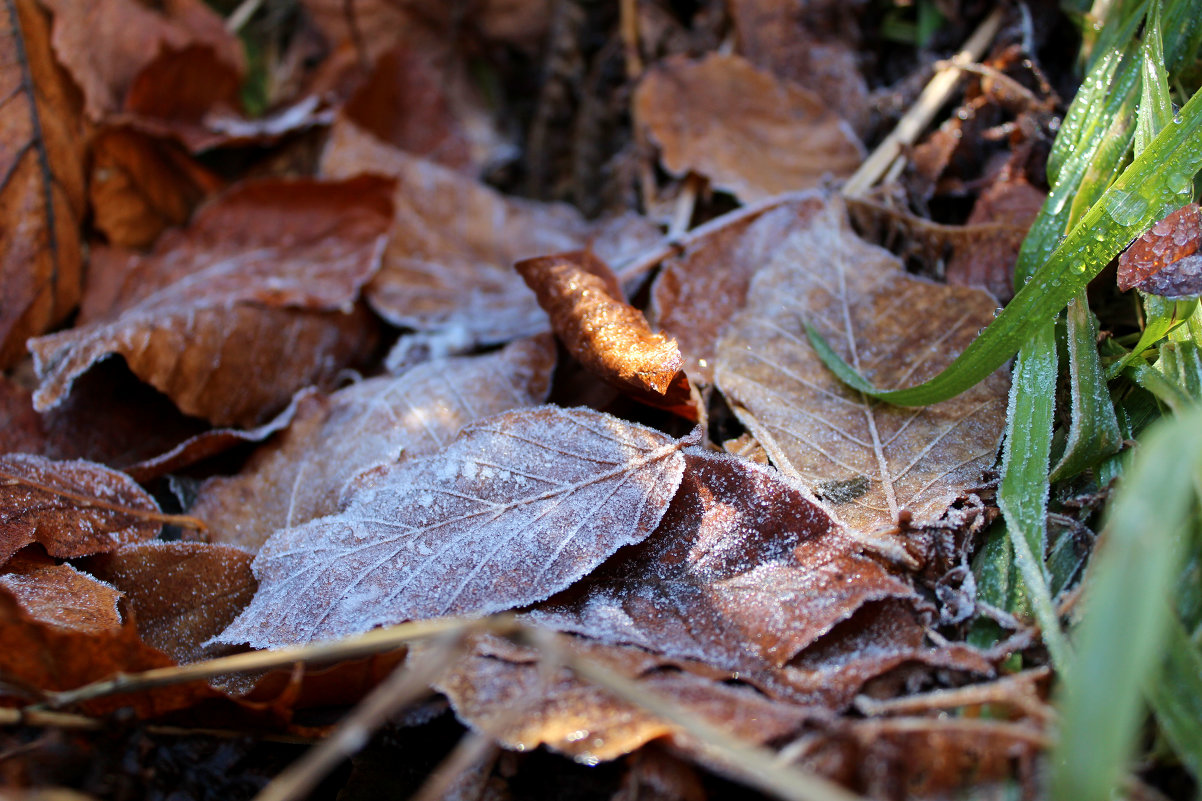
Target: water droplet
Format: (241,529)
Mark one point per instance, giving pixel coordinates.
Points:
(1125,208)
(1179,182)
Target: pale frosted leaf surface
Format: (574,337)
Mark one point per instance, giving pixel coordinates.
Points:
(71,508)
(775,136)
(59,595)
(503,691)
(300,475)
(262,283)
(867,459)
(516,508)
(454,241)
(743,572)
(696,294)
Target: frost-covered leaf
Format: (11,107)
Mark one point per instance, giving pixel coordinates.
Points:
(262,283)
(516,508)
(603,332)
(775,137)
(71,508)
(59,595)
(454,241)
(1166,260)
(696,294)
(301,474)
(867,459)
(743,572)
(180,593)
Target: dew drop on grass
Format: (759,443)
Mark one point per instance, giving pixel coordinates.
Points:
(1125,208)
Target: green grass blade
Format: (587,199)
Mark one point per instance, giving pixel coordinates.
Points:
(1125,612)
(1143,194)
(1162,317)
(1155,103)
(1175,696)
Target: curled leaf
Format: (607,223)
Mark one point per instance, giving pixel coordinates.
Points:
(1166,260)
(59,595)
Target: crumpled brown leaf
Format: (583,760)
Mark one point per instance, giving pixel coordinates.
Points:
(454,241)
(1165,259)
(301,475)
(696,294)
(71,508)
(1002,215)
(517,507)
(42,192)
(867,459)
(262,284)
(775,137)
(606,334)
(180,593)
(59,595)
(743,572)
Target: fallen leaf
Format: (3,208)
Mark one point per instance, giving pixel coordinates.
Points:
(867,459)
(71,508)
(453,243)
(606,334)
(262,283)
(1165,260)
(743,572)
(42,191)
(517,507)
(140,186)
(1011,203)
(776,137)
(301,475)
(504,691)
(181,593)
(59,595)
(107,43)
(696,294)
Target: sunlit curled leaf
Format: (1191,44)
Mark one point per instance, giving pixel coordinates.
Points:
(870,459)
(59,595)
(517,507)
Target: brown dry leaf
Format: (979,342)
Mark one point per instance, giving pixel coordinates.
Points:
(516,508)
(262,283)
(743,572)
(301,475)
(869,460)
(453,243)
(1011,204)
(775,137)
(71,508)
(105,44)
(42,186)
(59,595)
(140,186)
(696,294)
(180,593)
(606,334)
(504,691)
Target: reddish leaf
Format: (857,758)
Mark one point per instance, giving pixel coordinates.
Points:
(59,595)
(605,333)
(757,151)
(262,283)
(71,508)
(1002,214)
(743,572)
(1166,259)
(105,44)
(301,475)
(181,593)
(41,183)
(697,294)
(454,241)
(517,507)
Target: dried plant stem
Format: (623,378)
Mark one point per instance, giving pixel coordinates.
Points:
(757,767)
(242,14)
(995,728)
(629,22)
(42,718)
(408,683)
(686,203)
(914,121)
(373,642)
(473,751)
(1014,691)
(184,521)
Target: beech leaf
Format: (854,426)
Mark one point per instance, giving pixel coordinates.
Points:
(41,182)
(517,507)
(868,459)
(59,595)
(301,474)
(71,508)
(776,137)
(262,283)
